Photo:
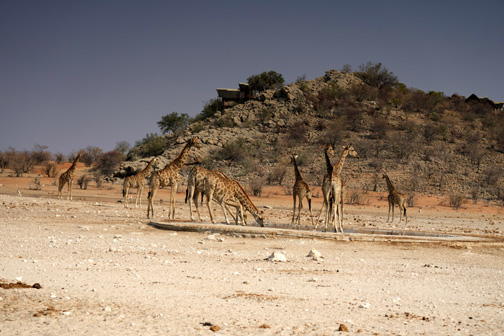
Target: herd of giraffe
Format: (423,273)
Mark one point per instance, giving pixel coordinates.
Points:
(218,187)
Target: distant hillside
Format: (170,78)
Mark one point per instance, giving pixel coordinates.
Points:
(426,142)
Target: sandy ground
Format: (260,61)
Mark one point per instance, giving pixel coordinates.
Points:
(104,270)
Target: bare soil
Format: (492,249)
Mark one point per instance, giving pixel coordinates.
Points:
(102,269)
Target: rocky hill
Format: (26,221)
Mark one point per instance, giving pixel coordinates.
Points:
(426,142)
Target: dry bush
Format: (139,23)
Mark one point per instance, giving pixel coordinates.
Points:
(492,175)
(356,197)
(277,174)
(20,162)
(299,131)
(456,200)
(51,169)
(83,181)
(475,194)
(410,200)
(257,186)
(36,183)
(99,179)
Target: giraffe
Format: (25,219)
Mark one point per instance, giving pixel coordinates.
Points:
(337,189)
(394,197)
(217,186)
(221,187)
(300,190)
(169,177)
(137,181)
(67,177)
(196,185)
(326,182)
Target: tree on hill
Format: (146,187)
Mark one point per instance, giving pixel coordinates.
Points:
(210,108)
(173,122)
(266,80)
(376,75)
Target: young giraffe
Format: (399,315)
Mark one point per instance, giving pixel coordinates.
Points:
(337,189)
(394,197)
(169,177)
(137,181)
(222,187)
(301,190)
(67,177)
(326,182)
(196,185)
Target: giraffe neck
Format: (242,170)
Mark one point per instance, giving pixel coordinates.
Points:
(179,160)
(147,169)
(246,202)
(389,184)
(73,166)
(328,161)
(296,170)
(338,167)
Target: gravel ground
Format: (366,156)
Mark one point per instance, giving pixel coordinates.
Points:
(103,270)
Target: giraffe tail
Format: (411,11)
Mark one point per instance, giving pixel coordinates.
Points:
(309,203)
(186,195)
(124,191)
(405,211)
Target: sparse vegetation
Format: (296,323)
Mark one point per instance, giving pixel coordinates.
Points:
(173,122)
(266,80)
(432,142)
(456,200)
(83,181)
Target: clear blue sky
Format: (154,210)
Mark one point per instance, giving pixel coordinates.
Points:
(91,73)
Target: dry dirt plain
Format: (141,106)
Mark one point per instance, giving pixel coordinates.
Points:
(103,270)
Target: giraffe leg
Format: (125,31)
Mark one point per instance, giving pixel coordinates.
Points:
(405,214)
(70,190)
(171,213)
(150,198)
(334,211)
(60,187)
(125,195)
(393,209)
(320,214)
(195,200)
(309,208)
(388,216)
(190,199)
(209,204)
(139,197)
(328,215)
(225,214)
(300,207)
(294,209)
(340,215)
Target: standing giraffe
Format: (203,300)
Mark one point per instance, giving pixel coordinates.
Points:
(301,190)
(196,185)
(137,181)
(169,177)
(337,189)
(326,182)
(394,197)
(67,177)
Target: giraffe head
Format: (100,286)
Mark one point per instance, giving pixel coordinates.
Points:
(77,158)
(194,142)
(384,175)
(293,157)
(329,148)
(351,151)
(259,218)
